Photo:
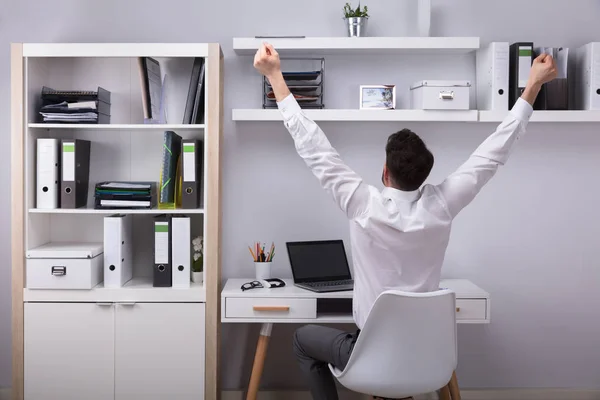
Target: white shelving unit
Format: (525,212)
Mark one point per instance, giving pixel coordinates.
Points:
(360,46)
(124,150)
(570,116)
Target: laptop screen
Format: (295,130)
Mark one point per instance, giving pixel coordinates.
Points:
(318,261)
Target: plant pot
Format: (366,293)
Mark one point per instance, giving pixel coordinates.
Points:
(357,26)
(197,277)
(263,270)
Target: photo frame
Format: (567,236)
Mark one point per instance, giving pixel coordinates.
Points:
(377,97)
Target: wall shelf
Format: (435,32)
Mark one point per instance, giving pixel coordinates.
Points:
(128,127)
(149,211)
(571,116)
(361,46)
(136,290)
(361,115)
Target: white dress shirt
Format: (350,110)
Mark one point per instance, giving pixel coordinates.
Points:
(399,238)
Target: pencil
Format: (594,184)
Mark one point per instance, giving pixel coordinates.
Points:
(252,254)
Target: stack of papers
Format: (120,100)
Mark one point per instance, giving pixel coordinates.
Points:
(124,195)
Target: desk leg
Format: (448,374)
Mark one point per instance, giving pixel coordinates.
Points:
(259,360)
(453,386)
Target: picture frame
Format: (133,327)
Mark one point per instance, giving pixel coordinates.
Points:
(378,97)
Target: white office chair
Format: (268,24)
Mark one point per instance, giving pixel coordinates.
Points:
(407,346)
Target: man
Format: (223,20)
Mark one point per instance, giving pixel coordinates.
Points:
(399,235)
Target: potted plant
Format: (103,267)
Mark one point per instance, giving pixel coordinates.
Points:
(356,20)
(198,260)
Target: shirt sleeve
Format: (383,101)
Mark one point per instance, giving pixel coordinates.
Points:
(461,187)
(347,188)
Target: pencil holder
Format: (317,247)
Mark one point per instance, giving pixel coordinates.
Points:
(263,270)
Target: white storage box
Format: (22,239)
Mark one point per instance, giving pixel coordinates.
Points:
(440,95)
(64,266)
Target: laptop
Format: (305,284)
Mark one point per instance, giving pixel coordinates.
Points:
(320,266)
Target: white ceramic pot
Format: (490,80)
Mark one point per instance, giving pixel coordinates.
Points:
(263,270)
(197,277)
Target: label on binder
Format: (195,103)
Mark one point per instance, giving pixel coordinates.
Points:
(189,162)
(525,53)
(161,242)
(68,161)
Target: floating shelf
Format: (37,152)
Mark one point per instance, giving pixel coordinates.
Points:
(361,115)
(136,290)
(546,116)
(360,46)
(130,127)
(86,210)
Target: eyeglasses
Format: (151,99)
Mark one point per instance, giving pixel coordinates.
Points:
(251,285)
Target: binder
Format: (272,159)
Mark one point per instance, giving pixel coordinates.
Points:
(555,94)
(118,268)
(162,274)
(194,81)
(587,77)
(191,196)
(521,58)
(181,251)
(47,189)
(75,163)
(492,75)
(168,194)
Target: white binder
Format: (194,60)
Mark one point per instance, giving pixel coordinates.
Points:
(47,191)
(181,251)
(118,268)
(492,76)
(587,77)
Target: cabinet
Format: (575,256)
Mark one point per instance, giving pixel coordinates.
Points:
(106,351)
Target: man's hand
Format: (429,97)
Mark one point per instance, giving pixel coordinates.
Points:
(543,70)
(266,61)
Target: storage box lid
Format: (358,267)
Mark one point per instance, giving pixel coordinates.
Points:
(419,84)
(66,250)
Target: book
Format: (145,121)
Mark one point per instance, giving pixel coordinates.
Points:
(152,90)
(198,113)
(191,98)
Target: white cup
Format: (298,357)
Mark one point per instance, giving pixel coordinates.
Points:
(263,270)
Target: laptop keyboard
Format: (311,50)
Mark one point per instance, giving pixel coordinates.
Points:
(330,283)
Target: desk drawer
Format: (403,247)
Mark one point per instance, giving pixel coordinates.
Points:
(471,309)
(270,307)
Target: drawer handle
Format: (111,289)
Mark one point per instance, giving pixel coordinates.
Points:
(59,270)
(457,309)
(271,308)
(447,95)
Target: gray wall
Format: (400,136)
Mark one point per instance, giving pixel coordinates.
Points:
(530,238)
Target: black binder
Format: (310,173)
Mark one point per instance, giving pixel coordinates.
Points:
(192,154)
(521,58)
(75,173)
(162,273)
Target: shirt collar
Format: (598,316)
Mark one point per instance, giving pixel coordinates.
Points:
(401,195)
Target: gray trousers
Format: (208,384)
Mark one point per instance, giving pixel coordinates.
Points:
(316,347)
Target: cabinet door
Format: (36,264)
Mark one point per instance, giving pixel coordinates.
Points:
(69,351)
(159,351)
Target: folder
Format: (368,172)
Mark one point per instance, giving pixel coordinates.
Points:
(47,189)
(118,268)
(181,251)
(191,196)
(521,58)
(194,82)
(587,77)
(492,70)
(75,175)
(162,274)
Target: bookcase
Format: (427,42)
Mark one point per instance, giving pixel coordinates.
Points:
(137,341)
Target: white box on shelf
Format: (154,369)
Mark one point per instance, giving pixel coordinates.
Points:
(64,266)
(440,95)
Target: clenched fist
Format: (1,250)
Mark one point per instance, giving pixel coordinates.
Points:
(266,60)
(543,70)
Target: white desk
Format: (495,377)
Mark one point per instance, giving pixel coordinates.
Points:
(291,304)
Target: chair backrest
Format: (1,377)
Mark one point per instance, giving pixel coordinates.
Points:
(407,346)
